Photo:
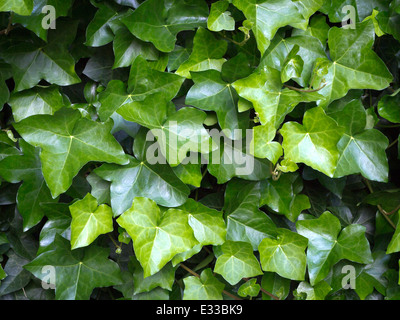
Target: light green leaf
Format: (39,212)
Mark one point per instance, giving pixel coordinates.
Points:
(263,89)
(189,173)
(264,147)
(292,66)
(394,245)
(157,237)
(22,7)
(284,255)
(313,143)
(208,225)
(89,221)
(237,261)
(207,287)
(220,19)
(249,288)
(317,292)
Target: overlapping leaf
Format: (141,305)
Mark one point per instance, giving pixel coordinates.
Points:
(69,141)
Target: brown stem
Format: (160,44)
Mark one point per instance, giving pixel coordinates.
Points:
(198,276)
(393,143)
(9,27)
(381,210)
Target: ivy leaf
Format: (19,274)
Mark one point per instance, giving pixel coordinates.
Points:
(245,222)
(69,141)
(318,28)
(313,143)
(388,107)
(361,151)
(220,19)
(22,7)
(127,48)
(58,222)
(268,16)
(368,276)
(263,89)
(145,85)
(264,147)
(160,27)
(237,261)
(189,173)
(32,62)
(208,225)
(38,100)
(183,133)
(235,160)
(141,179)
(207,287)
(328,244)
(89,221)
(157,237)
(275,284)
(309,50)
(250,288)
(292,66)
(316,292)
(207,54)
(164,278)
(99,32)
(389,20)
(211,93)
(283,196)
(353,64)
(77,272)
(27,167)
(394,245)
(284,255)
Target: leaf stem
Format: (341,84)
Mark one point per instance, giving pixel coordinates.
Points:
(381,210)
(9,27)
(198,276)
(112,239)
(393,143)
(305,90)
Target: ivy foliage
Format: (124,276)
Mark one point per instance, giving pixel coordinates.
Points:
(114,186)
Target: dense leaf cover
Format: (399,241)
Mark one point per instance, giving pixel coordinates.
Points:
(193,149)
